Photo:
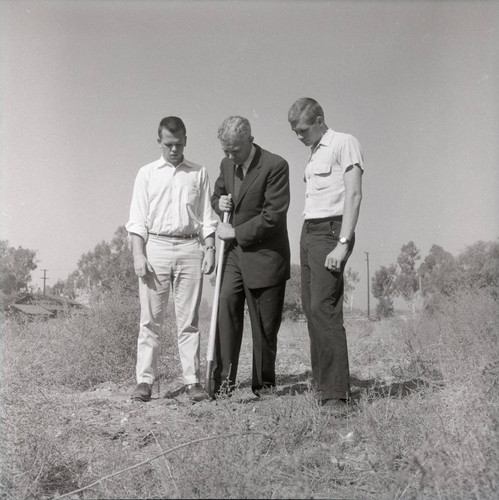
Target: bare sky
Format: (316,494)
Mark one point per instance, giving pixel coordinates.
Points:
(84,85)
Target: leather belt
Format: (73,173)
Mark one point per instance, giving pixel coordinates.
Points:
(325,219)
(177,236)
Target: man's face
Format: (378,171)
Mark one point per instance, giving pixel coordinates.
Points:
(172,145)
(309,134)
(236,149)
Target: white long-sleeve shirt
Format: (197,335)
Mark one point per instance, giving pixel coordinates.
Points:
(169,200)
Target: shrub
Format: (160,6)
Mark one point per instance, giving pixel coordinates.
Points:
(384,307)
(79,352)
(441,441)
(436,440)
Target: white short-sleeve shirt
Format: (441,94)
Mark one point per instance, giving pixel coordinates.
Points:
(328,162)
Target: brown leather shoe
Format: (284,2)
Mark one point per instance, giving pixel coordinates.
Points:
(142,392)
(196,393)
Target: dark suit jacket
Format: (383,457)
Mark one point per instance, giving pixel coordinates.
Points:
(259,217)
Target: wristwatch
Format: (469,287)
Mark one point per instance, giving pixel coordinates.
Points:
(344,241)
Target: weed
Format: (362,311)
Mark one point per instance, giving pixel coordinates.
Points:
(425,424)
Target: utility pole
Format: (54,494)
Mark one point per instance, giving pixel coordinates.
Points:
(368,309)
(44,279)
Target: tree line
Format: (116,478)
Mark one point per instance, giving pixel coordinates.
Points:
(439,274)
(419,282)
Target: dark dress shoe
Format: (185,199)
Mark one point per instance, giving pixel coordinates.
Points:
(223,390)
(142,392)
(334,405)
(196,393)
(265,391)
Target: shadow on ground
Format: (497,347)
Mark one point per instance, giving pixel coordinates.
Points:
(302,383)
(375,390)
(293,384)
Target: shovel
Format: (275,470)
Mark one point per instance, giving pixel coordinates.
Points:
(214,316)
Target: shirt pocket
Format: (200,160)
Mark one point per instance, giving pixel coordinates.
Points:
(322,175)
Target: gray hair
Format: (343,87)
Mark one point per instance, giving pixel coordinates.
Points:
(234,127)
(307,108)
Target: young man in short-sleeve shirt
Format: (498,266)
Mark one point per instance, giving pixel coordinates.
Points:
(333,195)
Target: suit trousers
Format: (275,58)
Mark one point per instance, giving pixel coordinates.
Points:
(177,267)
(265,310)
(322,302)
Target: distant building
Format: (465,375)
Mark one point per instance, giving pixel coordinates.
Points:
(46,306)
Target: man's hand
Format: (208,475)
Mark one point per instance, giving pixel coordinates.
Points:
(208,261)
(141,266)
(335,259)
(225,203)
(225,231)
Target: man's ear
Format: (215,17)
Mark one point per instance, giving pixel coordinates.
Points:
(251,139)
(185,142)
(159,142)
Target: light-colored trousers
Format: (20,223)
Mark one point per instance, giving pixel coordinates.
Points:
(177,267)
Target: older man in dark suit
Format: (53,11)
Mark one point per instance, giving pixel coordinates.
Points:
(254,186)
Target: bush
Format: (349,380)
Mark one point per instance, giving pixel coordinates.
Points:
(438,439)
(79,352)
(384,307)
(441,441)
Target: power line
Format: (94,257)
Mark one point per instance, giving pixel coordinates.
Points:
(368,308)
(44,278)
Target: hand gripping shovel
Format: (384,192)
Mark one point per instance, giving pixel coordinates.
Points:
(214,316)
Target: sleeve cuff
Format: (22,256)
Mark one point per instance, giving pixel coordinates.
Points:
(209,230)
(137,229)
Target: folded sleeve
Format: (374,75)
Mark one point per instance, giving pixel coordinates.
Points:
(208,216)
(139,207)
(351,153)
(218,191)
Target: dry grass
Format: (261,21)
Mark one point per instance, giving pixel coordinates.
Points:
(79,352)
(424,426)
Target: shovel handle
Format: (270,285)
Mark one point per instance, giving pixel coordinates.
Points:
(214,316)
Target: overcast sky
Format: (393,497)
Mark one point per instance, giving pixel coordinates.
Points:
(85,84)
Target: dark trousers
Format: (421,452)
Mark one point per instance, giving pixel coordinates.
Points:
(322,302)
(265,309)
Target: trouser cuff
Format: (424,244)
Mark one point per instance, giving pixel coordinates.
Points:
(336,395)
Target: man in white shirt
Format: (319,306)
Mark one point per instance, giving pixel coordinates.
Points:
(333,196)
(170,219)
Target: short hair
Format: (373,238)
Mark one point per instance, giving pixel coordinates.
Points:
(307,108)
(172,124)
(234,127)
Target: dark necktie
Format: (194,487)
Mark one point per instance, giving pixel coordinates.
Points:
(238,179)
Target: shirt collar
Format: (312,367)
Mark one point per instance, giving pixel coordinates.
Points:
(163,163)
(248,161)
(326,138)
